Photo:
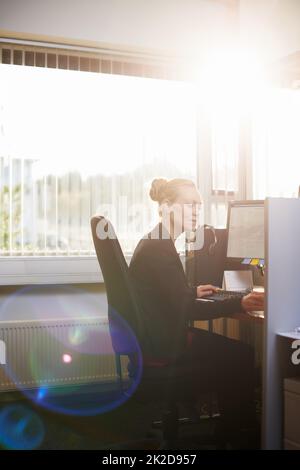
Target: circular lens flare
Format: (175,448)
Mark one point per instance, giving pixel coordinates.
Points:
(20,428)
(67,358)
(71,365)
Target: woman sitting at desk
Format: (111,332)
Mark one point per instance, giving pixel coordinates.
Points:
(169,303)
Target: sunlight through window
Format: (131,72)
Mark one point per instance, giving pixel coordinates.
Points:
(75,144)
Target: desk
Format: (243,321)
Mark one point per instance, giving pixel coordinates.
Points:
(220,325)
(257,317)
(248,316)
(240,326)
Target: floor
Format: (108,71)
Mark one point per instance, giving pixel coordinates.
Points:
(25,425)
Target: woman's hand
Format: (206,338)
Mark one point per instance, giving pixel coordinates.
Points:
(208,289)
(255,301)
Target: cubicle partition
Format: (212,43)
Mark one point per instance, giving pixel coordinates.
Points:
(282,253)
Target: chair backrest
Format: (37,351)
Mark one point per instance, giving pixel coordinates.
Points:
(208,267)
(123,310)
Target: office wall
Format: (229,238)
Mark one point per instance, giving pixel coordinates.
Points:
(272,27)
(63,302)
(181,26)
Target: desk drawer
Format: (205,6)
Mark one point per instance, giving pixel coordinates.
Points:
(292,417)
(289,445)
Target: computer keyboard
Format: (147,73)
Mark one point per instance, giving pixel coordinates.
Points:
(227,294)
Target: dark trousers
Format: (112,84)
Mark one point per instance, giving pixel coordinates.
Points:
(230,372)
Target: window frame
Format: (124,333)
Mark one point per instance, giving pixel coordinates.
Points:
(23,270)
(53,270)
(205,166)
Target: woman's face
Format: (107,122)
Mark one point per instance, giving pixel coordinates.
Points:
(184,211)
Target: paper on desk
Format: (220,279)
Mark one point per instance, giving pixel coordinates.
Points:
(238,280)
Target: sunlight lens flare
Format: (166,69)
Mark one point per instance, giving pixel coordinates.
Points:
(232,78)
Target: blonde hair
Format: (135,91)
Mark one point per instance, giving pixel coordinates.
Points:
(163,189)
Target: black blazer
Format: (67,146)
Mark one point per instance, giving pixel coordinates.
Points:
(167,301)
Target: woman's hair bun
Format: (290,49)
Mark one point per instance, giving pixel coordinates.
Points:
(157,189)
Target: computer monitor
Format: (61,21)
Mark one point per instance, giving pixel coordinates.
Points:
(245,228)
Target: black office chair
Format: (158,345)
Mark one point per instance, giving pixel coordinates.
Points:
(160,380)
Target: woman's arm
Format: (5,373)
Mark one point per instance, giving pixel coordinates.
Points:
(205,310)
(159,273)
(171,285)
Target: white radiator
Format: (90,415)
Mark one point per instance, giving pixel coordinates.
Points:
(55,352)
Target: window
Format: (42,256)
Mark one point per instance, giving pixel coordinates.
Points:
(225,152)
(276,145)
(74,144)
(219,168)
